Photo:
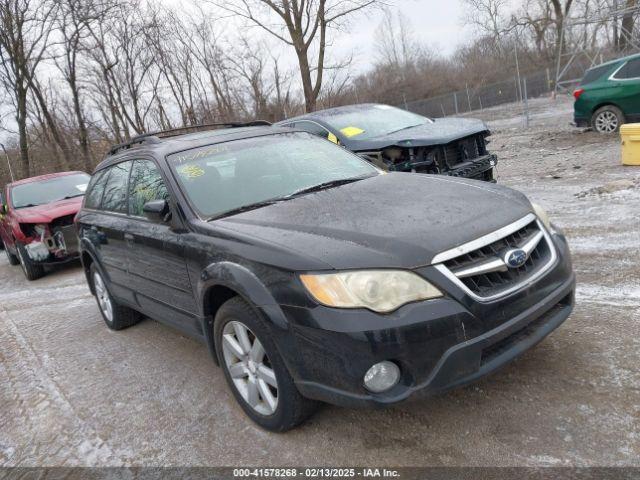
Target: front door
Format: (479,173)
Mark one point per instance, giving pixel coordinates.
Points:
(157,269)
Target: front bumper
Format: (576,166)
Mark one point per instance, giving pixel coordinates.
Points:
(439,345)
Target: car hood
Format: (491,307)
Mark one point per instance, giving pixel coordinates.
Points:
(440,132)
(397,220)
(48,212)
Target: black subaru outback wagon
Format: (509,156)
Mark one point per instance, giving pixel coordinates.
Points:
(313,276)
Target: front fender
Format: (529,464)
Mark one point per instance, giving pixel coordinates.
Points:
(243,282)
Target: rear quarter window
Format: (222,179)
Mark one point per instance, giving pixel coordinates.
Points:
(595,74)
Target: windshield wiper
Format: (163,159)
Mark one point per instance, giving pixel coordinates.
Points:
(70,196)
(28,205)
(326,185)
(405,128)
(271,201)
(244,208)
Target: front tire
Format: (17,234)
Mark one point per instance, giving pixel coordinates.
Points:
(607,119)
(117,317)
(255,370)
(31,270)
(13,259)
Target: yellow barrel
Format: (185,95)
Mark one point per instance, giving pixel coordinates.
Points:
(630,134)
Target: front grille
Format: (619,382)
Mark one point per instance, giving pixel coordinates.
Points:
(510,341)
(463,150)
(480,169)
(495,280)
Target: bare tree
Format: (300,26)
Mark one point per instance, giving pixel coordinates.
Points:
(25,28)
(487,16)
(628,22)
(302,24)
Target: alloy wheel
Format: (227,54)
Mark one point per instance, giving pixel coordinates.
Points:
(102,295)
(249,367)
(607,122)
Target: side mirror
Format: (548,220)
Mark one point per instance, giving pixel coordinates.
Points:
(156,210)
(3,209)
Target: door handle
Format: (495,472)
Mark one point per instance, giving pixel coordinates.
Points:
(128,238)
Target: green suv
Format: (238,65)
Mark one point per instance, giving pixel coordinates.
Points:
(609,95)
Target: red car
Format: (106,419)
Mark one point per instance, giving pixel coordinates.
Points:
(36,220)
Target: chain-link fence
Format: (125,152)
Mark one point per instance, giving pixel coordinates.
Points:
(479,99)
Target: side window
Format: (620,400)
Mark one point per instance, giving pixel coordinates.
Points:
(631,69)
(313,128)
(146,184)
(115,190)
(95,189)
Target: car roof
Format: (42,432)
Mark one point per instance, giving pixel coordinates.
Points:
(41,178)
(329,112)
(160,147)
(615,61)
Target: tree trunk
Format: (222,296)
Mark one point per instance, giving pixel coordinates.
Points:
(21,118)
(626,29)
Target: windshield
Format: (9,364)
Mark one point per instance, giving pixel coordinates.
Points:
(47,191)
(373,121)
(228,176)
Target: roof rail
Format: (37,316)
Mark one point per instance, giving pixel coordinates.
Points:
(154,137)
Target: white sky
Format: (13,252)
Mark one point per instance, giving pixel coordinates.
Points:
(436,23)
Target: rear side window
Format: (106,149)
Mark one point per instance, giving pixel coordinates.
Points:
(95,190)
(594,74)
(115,190)
(631,69)
(146,184)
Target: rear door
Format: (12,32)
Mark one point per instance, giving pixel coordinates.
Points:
(627,79)
(157,269)
(104,223)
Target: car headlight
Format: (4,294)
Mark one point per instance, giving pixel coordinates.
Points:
(542,214)
(378,290)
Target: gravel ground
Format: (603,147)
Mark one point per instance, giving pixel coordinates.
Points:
(74,393)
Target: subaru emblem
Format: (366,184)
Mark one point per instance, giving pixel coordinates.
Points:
(515,258)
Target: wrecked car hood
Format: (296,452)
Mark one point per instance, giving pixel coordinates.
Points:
(396,220)
(48,212)
(440,132)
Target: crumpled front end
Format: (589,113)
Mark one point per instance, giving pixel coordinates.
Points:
(49,243)
(464,157)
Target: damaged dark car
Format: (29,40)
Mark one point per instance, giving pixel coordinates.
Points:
(309,277)
(401,141)
(36,223)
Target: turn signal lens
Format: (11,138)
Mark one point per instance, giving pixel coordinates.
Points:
(378,290)
(542,214)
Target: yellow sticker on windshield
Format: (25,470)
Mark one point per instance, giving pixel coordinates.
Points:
(351,131)
(191,171)
(332,138)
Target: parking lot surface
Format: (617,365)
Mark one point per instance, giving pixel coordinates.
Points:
(73,392)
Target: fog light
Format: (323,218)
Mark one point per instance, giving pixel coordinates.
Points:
(382,376)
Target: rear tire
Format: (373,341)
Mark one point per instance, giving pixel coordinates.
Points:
(117,317)
(261,382)
(31,270)
(607,119)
